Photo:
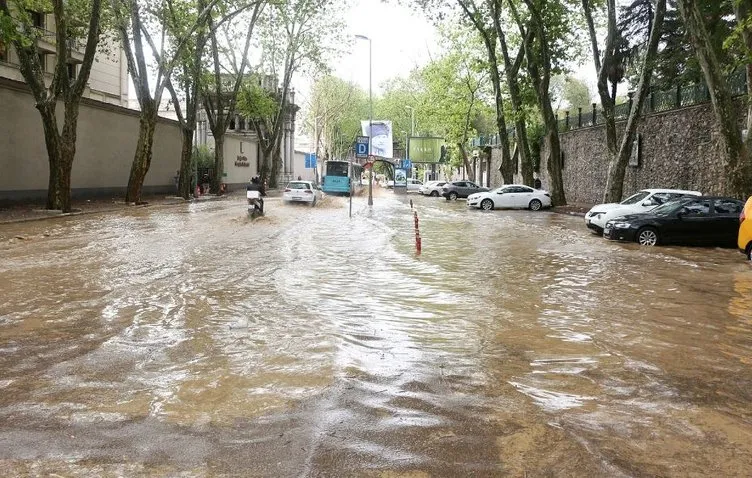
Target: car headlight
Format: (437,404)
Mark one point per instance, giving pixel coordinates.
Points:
(619,224)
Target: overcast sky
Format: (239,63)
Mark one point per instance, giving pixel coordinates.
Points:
(402,39)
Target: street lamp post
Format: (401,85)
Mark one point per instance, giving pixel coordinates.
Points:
(370,115)
(412,130)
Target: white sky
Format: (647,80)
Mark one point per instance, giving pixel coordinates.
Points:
(402,40)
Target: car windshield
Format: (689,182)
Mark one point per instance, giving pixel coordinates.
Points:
(670,207)
(298,186)
(635,198)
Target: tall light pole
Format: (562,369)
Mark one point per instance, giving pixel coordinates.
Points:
(370,114)
(412,130)
(412,119)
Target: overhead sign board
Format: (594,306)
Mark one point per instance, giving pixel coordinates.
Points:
(381,133)
(425,150)
(361,147)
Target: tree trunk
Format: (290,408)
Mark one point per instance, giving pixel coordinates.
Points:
(219,160)
(743,10)
(618,162)
(466,161)
(539,68)
(52,141)
(738,167)
(186,165)
(275,167)
(142,158)
(266,163)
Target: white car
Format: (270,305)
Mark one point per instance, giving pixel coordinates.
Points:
(511,196)
(414,185)
(432,188)
(642,201)
(301,191)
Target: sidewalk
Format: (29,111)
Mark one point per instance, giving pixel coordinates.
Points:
(573,209)
(35,211)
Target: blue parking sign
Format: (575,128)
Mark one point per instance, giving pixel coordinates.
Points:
(361,147)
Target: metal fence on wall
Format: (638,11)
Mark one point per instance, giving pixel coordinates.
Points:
(656,102)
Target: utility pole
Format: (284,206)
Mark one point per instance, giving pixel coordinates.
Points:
(370,115)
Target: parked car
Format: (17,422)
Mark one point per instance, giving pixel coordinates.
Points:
(414,185)
(511,196)
(301,191)
(696,221)
(432,188)
(744,237)
(642,201)
(460,189)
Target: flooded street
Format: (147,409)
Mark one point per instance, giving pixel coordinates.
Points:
(189,341)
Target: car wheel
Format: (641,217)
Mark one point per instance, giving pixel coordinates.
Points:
(434,194)
(535,205)
(486,204)
(453,196)
(647,236)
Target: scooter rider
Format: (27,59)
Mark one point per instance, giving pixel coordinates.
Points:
(254,192)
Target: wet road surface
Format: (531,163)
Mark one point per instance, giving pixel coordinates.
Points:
(188,341)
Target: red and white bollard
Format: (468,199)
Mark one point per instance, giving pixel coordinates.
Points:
(418,242)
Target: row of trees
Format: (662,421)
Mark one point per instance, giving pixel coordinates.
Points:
(528,44)
(447,98)
(197,51)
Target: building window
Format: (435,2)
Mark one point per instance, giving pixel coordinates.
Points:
(242,123)
(72,71)
(241,147)
(37,19)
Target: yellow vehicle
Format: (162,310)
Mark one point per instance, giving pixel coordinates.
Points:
(745,230)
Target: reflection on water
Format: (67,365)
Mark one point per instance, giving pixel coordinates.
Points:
(192,340)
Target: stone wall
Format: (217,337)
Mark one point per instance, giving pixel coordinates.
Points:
(105,146)
(679,149)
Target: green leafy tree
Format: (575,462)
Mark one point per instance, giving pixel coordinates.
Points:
(608,61)
(736,147)
(296,35)
(74,20)
(224,75)
(545,27)
(135,22)
(334,114)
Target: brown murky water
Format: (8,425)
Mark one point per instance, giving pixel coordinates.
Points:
(191,342)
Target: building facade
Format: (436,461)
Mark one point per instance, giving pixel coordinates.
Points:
(107,130)
(108,80)
(242,152)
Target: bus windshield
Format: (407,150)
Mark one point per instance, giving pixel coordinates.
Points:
(337,168)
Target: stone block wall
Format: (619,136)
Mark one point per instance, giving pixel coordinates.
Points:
(679,149)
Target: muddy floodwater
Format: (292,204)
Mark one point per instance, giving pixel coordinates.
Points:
(189,341)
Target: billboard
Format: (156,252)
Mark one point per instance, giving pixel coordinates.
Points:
(400,178)
(425,150)
(381,139)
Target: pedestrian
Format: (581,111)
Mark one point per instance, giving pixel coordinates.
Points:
(537,184)
(300,178)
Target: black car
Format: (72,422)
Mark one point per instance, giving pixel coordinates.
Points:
(461,189)
(696,221)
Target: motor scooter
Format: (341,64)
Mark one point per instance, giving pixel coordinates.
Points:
(255,202)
